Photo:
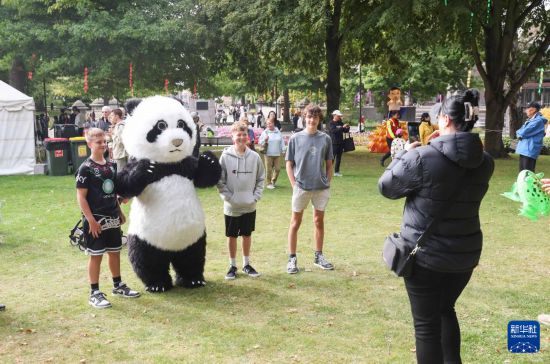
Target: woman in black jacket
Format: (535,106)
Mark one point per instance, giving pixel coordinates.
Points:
(427,176)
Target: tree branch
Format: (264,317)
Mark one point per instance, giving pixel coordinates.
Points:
(527,10)
(479,64)
(541,51)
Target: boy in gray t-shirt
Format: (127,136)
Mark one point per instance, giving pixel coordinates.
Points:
(309,168)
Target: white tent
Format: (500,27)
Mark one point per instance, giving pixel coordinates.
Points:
(16,131)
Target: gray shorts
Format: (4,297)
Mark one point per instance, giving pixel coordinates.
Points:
(300,199)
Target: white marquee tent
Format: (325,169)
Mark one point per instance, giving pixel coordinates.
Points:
(17,154)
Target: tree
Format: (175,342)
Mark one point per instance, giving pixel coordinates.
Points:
(487,31)
(505,19)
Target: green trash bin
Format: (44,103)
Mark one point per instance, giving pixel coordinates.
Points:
(57,151)
(79,151)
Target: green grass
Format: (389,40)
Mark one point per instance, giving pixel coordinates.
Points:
(357,313)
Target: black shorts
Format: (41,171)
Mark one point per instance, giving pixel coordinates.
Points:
(242,225)
(109,240)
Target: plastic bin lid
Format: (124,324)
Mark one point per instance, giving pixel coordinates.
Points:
(53,140)
(77,139)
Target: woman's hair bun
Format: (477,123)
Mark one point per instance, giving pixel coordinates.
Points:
(472,96)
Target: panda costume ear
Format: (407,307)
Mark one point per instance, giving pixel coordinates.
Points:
(131,104)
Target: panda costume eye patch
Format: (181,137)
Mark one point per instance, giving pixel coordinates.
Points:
(183,124)
(162,125)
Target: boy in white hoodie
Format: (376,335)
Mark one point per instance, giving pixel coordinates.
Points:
(240,187)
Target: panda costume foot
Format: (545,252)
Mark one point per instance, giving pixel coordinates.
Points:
(158,288)
(190,283)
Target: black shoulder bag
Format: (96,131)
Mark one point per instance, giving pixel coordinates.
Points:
(398,255)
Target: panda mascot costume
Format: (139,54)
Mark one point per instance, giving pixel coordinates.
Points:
(167,223)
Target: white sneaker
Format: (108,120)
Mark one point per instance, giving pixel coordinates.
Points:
(270,187)
(98,300)
(338,174)
(544,319)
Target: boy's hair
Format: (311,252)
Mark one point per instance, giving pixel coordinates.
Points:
(118,113)
(239,127)
(94,133)
(313,110)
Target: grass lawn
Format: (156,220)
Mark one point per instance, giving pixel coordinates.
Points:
(358,313)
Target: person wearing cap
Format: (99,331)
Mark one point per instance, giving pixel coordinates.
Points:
(336,131)
(530,137)
(392,124)
(103,123)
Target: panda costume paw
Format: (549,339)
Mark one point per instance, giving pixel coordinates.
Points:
(166,222)
(209,170)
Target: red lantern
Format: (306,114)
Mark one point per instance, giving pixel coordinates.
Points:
(166,85)
(29,75)
(130,79)
(85,80)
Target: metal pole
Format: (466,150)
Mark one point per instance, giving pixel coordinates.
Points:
(45,103)
(360,97)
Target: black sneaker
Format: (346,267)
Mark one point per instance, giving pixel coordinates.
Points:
(98,300)
(232,273)
(250,271)
(125,291)
(322,263)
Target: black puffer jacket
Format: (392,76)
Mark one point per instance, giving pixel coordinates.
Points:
(427,177)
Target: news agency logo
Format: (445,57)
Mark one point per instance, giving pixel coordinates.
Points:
(523,336)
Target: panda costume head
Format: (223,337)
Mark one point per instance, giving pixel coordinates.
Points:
(159,129)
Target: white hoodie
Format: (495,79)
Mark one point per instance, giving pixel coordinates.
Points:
(242,181)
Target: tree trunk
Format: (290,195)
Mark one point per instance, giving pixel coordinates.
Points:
(333,43)
(516,118)
(286,114)
(494,123)
(18,74)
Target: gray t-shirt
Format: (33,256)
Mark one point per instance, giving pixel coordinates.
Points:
(309,152)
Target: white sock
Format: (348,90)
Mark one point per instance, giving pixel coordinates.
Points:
(233,262)
(246,261)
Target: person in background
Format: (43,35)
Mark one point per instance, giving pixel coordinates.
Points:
(392,124)
(199,126)
(63,117)
(251,136)
(74,117)
(252,119)
(530,137)
(273,116)
(425,129)
(336,130)
(295,119)
(273,143)
(259,118)
(398,144)
(428,177)
(119,152)
(103,123)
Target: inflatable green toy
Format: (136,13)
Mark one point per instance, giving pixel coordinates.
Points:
(527,190)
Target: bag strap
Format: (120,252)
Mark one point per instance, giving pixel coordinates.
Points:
(429,230)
